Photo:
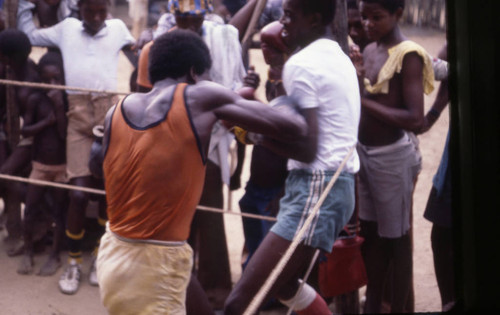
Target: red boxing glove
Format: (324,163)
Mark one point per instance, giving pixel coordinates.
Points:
(273,46)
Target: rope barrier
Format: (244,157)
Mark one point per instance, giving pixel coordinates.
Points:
(58,87)
(103,192)
(264,290)
(52,184)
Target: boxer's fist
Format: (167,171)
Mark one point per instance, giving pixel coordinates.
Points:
(273,46)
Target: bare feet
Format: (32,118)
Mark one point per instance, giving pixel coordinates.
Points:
(16,249)
(26,265)
(50,267)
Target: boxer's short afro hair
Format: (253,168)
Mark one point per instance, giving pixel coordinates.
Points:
(173,54)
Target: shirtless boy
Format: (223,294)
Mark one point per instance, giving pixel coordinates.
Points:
(155,153)
(45,120)
(14,52)
(396,74)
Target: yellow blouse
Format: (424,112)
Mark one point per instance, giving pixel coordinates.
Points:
(394,64)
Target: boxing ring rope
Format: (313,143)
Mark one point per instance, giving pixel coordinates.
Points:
(57,87)
(264,290)
(103,192)
(92,190)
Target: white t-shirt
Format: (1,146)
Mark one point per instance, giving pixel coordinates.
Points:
(227,70)
(321,76)
(89,61)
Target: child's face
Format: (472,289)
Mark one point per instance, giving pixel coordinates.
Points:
(355,26)
(378,21)
(52,74)
(93,13)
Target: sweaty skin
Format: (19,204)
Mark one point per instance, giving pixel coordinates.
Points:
(211,102)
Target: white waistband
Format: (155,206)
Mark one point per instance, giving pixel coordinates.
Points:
(145,241)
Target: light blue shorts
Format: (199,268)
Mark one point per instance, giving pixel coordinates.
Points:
(303,189)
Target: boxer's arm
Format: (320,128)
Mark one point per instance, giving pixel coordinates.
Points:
(303,148)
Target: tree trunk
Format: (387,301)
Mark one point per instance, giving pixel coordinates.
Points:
(339,25)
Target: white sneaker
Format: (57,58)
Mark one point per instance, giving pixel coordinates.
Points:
(70,279)
(93,274)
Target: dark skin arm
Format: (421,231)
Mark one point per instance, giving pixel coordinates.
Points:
(131,54)
(235,181)
(219,103)
(212,102)
(439,104)
(410,116)
(31,127)
(241,19)
(56,96)
(442,98)
(302,148)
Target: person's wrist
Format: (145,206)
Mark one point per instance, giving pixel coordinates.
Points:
(254,138)
(433,114)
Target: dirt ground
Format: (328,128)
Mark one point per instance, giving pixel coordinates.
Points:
(40,295)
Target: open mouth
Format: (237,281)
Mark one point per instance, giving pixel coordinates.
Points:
(284,33)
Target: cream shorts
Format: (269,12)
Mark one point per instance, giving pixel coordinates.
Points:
(51,173)
(141,277)
(84,113)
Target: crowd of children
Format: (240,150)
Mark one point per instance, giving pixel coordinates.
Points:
(374,99)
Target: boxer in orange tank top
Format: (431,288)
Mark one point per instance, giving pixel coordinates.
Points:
(154,155)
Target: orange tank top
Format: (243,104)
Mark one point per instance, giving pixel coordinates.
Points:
(154,175)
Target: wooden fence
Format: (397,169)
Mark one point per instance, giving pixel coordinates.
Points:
(425,13)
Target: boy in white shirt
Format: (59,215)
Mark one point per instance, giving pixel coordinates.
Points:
(323,82)
(90,50)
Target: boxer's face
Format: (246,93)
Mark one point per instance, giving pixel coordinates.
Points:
(297,26)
